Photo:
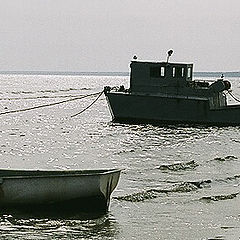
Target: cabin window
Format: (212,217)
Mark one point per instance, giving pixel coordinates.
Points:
(157,72)
(182,72)
(189,73)
(162,71)
(173,71)
(179,72)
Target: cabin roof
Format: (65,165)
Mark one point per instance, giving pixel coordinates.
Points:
(161,63)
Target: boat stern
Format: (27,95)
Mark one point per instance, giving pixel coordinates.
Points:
(108,182)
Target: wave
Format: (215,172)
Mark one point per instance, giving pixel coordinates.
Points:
(227,179)
(183,187)
(219,197)
(40,97)
(227,158)
(124,151)
(201,184)
(64,90)
(155,193)
(179,166)
(50,91)
(140,196)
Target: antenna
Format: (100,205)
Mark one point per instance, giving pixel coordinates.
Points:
(170,52)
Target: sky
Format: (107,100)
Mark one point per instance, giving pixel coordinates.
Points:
(104,35)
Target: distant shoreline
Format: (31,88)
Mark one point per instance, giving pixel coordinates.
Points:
(216,74)
(196,74)
(65,73)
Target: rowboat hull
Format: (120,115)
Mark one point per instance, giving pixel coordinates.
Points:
(57,191)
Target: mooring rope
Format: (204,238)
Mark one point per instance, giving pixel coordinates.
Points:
(88,105)
(236,99)
(38,97)
(51,104)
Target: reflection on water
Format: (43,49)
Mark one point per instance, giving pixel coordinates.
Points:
(15,228)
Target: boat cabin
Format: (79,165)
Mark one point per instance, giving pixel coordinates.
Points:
(164,78)
(153,76)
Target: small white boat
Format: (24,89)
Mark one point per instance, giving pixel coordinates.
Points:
(71,191)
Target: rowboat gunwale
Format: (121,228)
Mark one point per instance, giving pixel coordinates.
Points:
(16,174)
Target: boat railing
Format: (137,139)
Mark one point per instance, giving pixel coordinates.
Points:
(204,80)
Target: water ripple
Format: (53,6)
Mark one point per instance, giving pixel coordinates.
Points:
(219,197)
(179,166)
(155,193)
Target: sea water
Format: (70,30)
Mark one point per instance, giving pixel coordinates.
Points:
(178,182)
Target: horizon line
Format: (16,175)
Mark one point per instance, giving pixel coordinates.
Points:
(102,73)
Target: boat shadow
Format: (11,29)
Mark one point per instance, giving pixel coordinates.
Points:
(83,208)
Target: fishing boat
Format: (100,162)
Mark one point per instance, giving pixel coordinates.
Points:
(164,92)
(71,191)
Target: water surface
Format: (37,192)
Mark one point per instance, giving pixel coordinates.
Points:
(178,182)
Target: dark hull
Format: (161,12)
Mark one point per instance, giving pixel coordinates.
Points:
(133,108)
(88,207)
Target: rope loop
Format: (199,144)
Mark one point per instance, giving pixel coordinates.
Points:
(88,105)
